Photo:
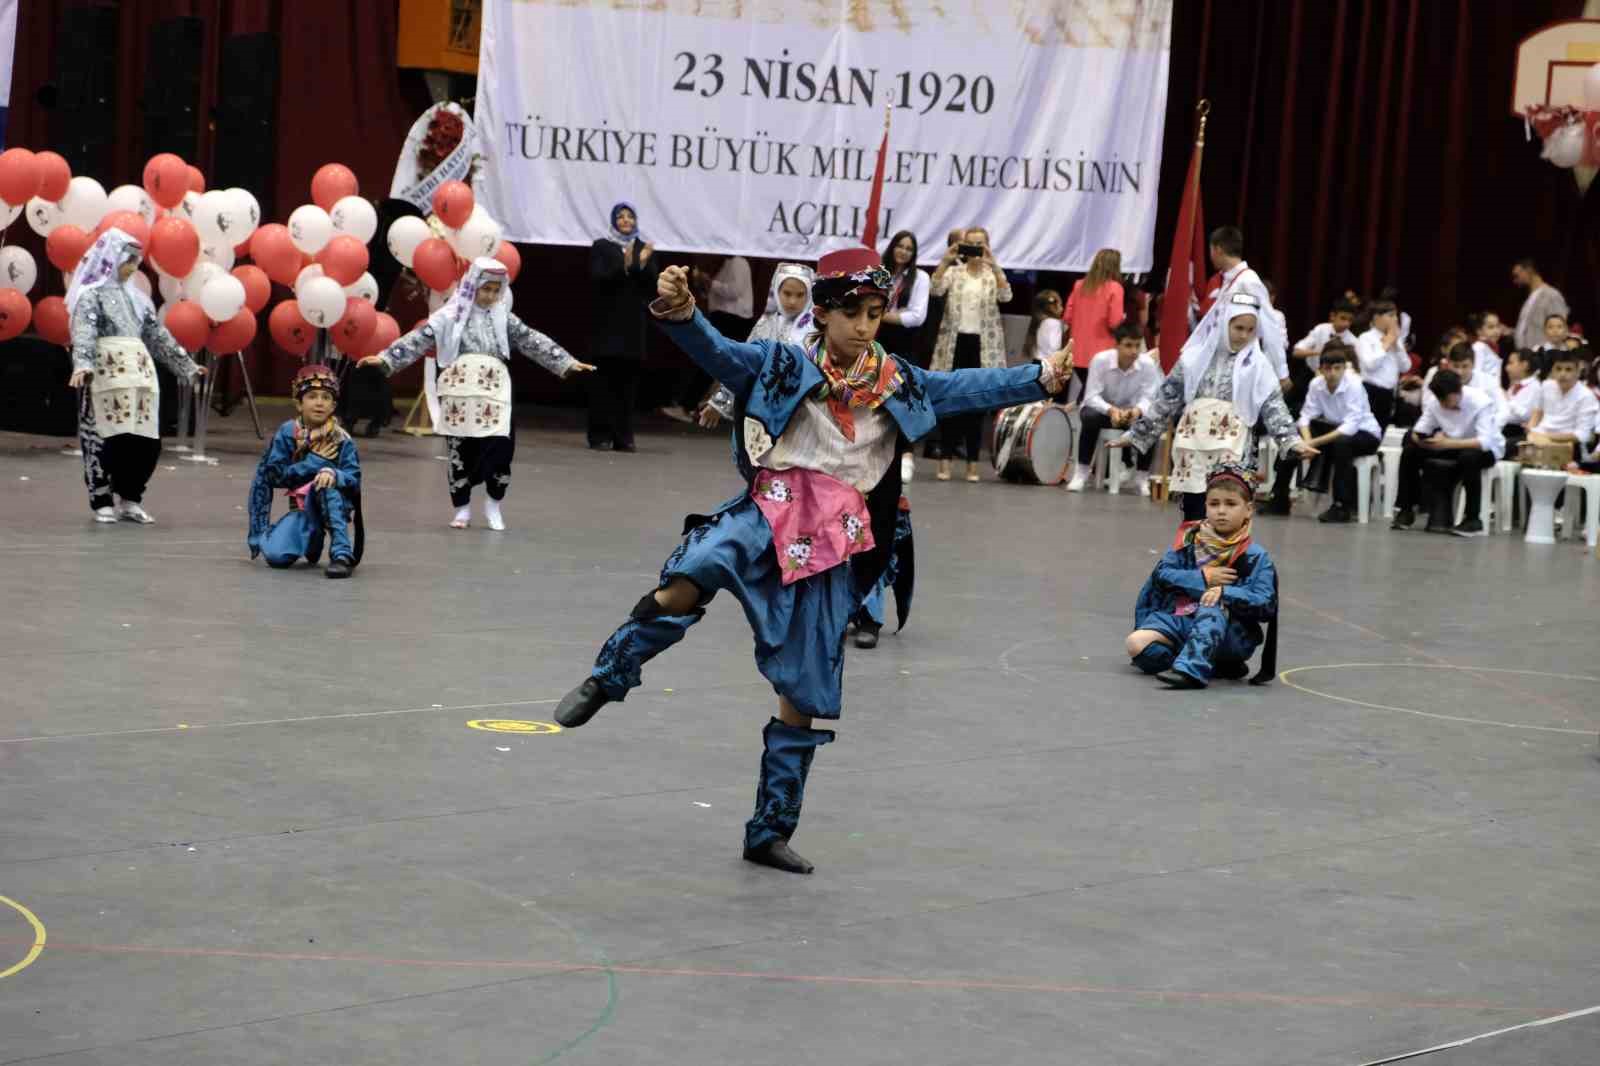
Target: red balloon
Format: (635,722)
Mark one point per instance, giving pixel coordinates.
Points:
(197,180)
(54,176)
(50,320)
(174,245)
(130,222)
(166,179)
(233,335)
(453,202)
(353,332)
(384,333)
(289,328)
(66,245)
(462,266)
(188,324)
(275,253)
(20,177)
(435,264)
(332,183)
(343,259)
(257,286)
(507,253)
(15,313)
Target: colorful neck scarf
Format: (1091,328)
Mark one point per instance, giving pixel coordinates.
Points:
(1212,547)
(872,380)
(323,440)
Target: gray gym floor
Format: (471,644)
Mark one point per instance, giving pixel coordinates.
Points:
(249,813)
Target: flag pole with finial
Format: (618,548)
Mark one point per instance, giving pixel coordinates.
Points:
(869,230)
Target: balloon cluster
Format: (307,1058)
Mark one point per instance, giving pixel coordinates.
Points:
(1571,136)
(322,255)
(191,237)
(440,249)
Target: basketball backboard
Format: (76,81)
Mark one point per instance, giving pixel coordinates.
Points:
(1551,64)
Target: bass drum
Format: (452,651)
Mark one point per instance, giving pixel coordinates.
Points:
(1032,444)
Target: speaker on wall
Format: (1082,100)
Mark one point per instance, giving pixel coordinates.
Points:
(84,125)
(172,87)
(247,115)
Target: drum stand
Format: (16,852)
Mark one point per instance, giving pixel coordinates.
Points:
(1160,481)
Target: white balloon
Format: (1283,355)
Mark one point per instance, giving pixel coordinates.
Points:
(85,203)
(141,281)
(479,236)
(365,288)
(404,236)
(354,216)
(199,278)
(132,198)
(248,210)
(220,254)
(186,207)
(222,297)
(1565,146)
(220,218)
(9,213)
(310,228)
(17,269)
(321,302)
(305,275)
(44,216)
(171,287)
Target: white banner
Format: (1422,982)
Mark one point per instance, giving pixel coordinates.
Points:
(752,126)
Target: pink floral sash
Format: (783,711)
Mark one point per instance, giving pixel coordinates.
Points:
(817,522)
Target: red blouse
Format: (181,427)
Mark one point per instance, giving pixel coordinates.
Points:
(1091,318)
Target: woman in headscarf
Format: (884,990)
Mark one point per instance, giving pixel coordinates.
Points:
(622,276)
(114,333)
(787,320)
(1222,385)
(970,334)
(472,336)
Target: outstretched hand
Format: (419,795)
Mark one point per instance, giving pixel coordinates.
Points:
(1061,368)
(580,368)
(371,360)
(674,299)
(79,378)
(1307,451)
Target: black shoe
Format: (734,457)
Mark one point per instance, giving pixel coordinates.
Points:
(866,638)
(1179,679)
(373,429)
(778,855)
(581,704)
(1334,514)
(1232,670)
(1404,518)
(1470,528)
(1438,527)
(337,568)
(600,445)
(1276,508)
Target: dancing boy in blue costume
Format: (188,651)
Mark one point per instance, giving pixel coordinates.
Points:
(816,426)
(314,459)
(1200,614)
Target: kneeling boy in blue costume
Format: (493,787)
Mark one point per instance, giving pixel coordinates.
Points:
(1201,612)
(314,459)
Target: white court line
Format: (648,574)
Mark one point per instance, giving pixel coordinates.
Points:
(1483,1036)
(272,721)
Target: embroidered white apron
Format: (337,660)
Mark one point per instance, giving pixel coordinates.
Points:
(125,390)
(1209,434)
(475,397)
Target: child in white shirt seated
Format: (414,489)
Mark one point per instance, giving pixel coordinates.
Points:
(1524,395)
(1485,327)
(1460,428)
(1337,420)
(1122,382)
(1568,410)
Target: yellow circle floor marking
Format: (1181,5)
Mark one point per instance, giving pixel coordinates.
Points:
(38,937)
(1285,675)
(512,725)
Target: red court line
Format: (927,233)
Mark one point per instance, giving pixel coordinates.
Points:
(941,984)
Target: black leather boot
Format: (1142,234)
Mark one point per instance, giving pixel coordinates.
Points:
(778,855)
(581,704)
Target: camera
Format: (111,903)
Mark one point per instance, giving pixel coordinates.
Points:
(970,251)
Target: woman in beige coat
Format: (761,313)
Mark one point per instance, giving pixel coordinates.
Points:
(970,334)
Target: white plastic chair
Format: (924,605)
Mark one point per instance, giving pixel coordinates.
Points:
(1389,455)
(1589,485)
(1366,466)
(1109,467)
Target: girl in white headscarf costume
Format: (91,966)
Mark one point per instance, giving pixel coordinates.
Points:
(775,325)
(114,334)
(473,339)
(1221,392)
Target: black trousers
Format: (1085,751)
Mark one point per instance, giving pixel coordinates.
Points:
(1341,455)
(963,434)
(1461,466)
(613,392)
(119,465)
(1382,401)
(482,461)
(1194,506)
(368,395)
(1089,435)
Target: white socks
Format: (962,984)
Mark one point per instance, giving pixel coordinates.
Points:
(463,516)
(491,511)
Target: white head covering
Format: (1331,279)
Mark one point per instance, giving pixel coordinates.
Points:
(99,267)
(774,324)
(450,321)
(1253,375)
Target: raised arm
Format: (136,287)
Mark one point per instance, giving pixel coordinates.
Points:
(955,392)
(731,362)
(539,347)
(405,351)
(1166,403)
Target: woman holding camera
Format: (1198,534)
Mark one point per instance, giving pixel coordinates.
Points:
(970,334)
